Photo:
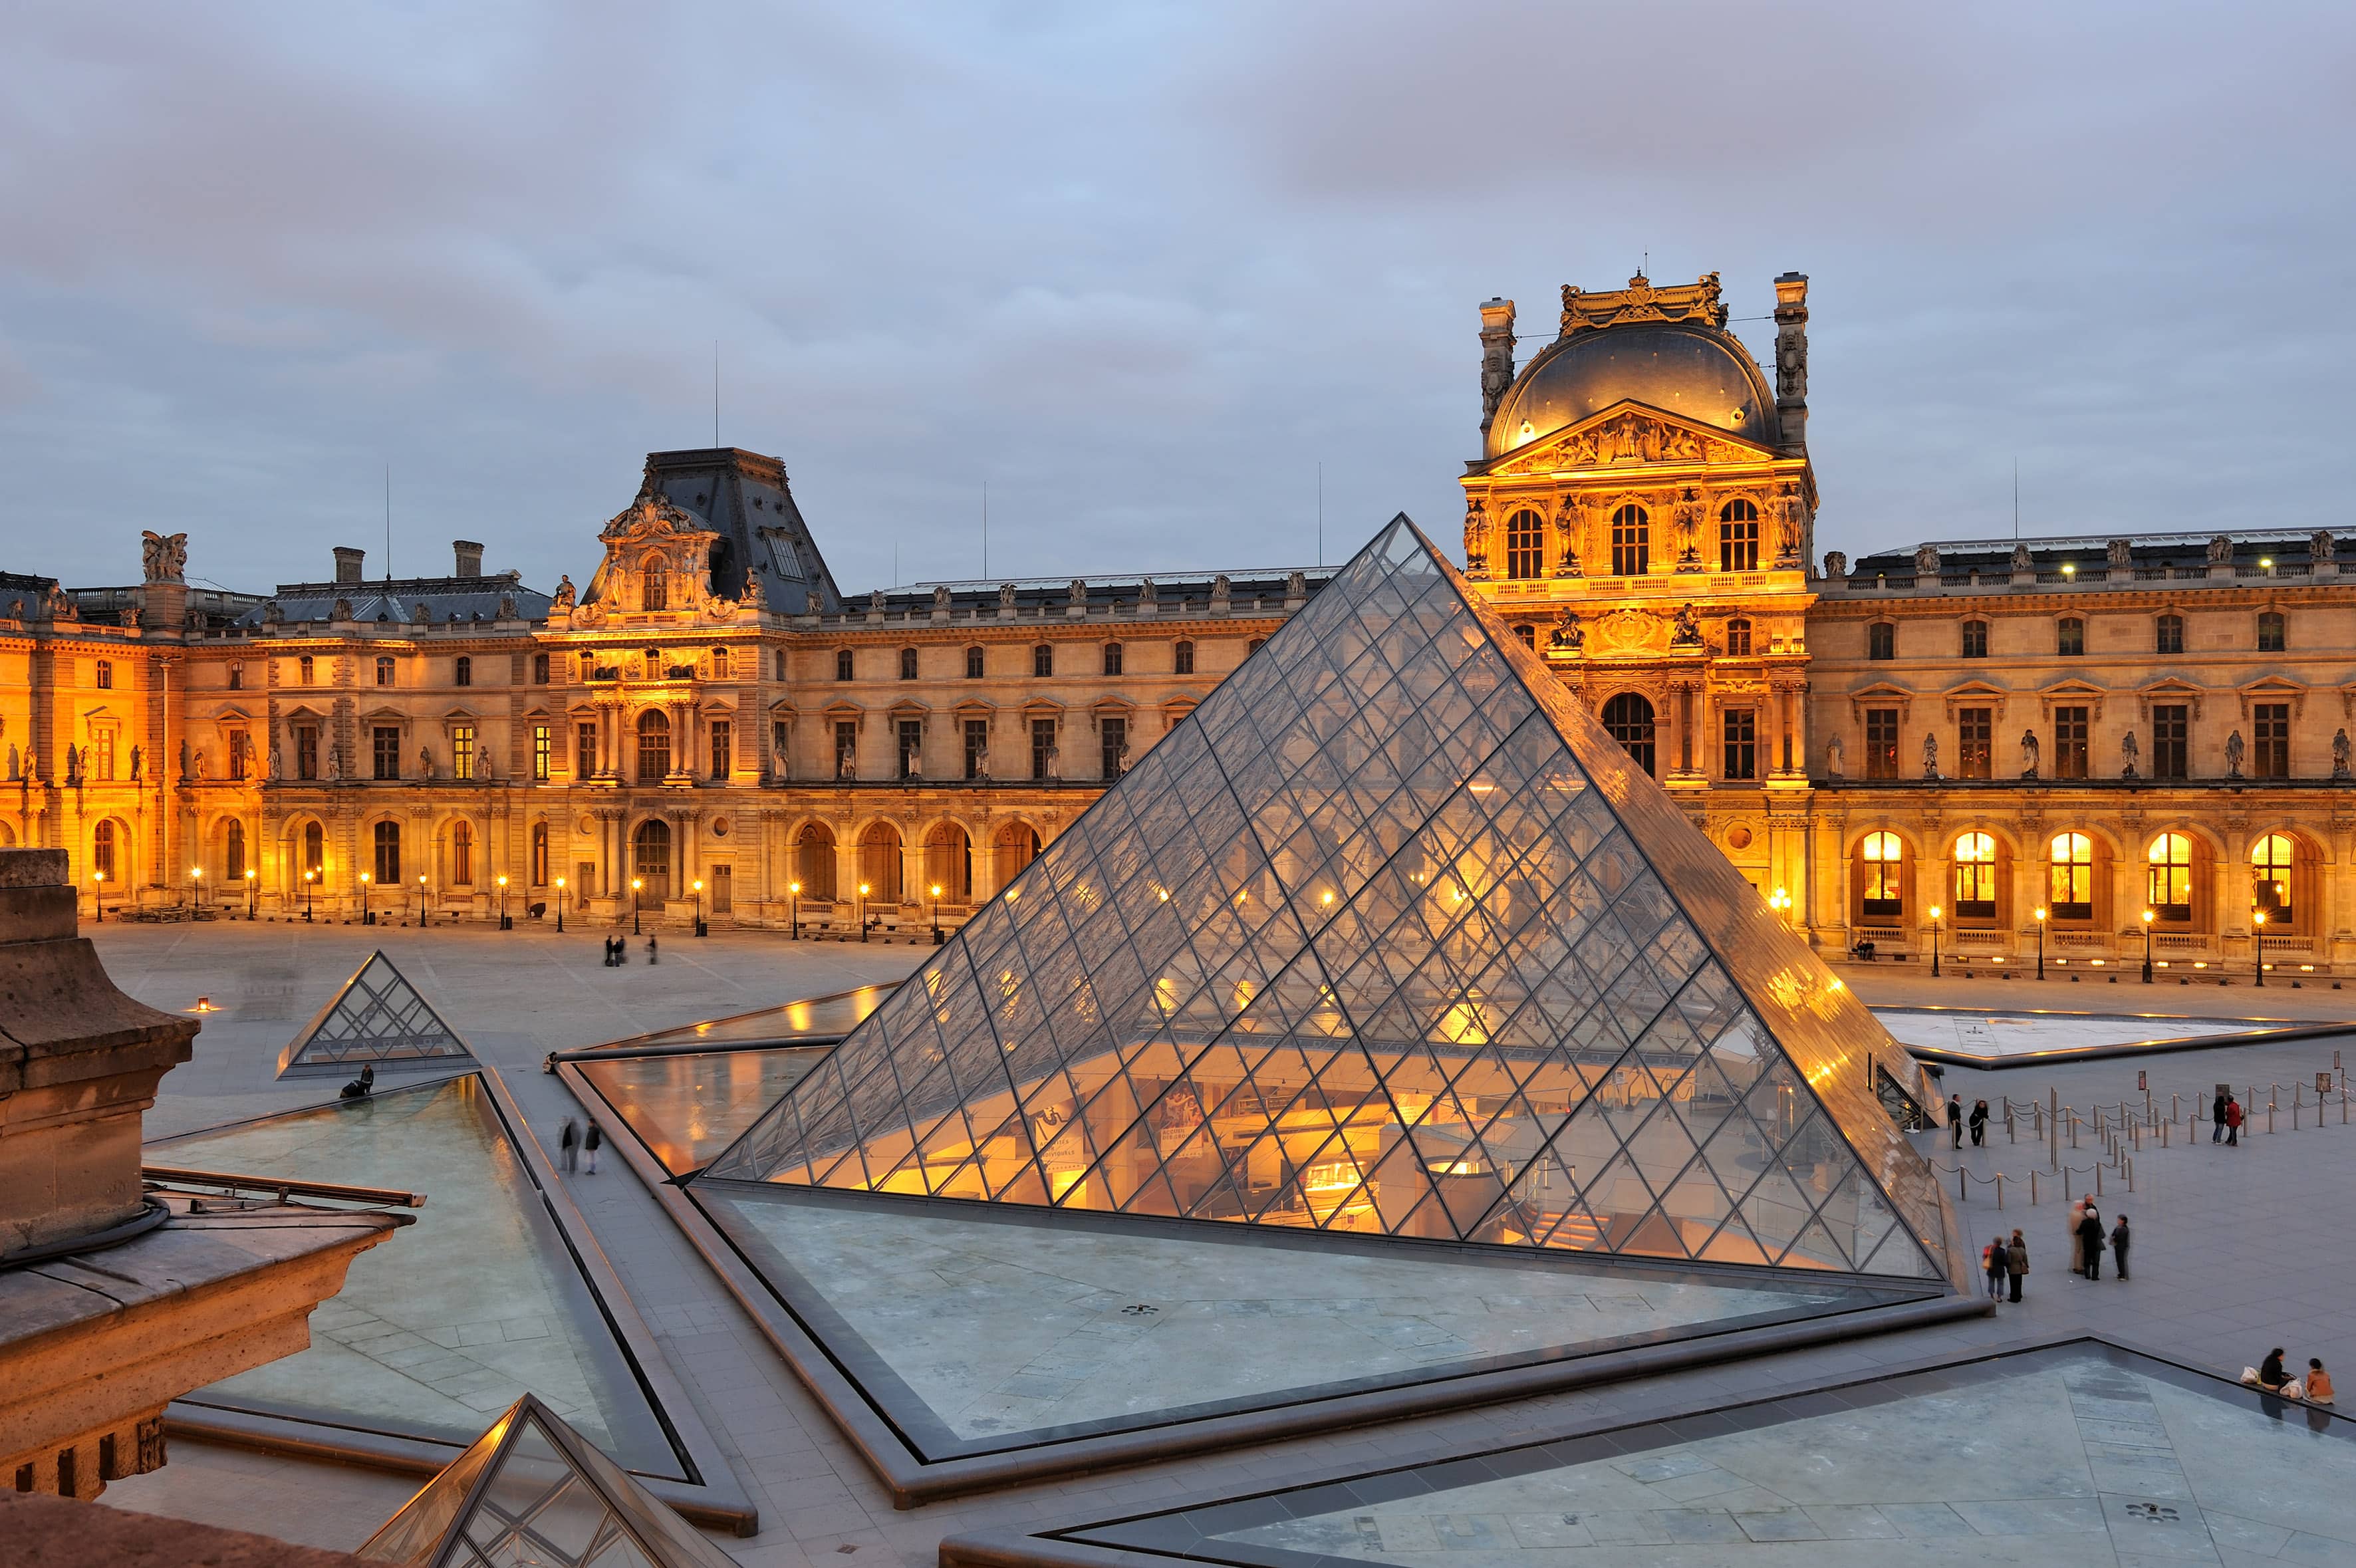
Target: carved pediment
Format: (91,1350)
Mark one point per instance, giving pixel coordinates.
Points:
(1628,632)
(1628,433)
(654,518)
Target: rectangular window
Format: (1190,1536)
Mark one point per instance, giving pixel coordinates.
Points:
(1183,662)
(2270,633)
(1976,639)
(1881,743)
(2168,635)
(387,741)
(2171,741)
(462,751)
(2270,758)
(1113,735)
(724,755)
(723,889)
(1042,660)
(236,758)
(105,675)
(911,737)
(1043,747)
(846,749)
(842,664)
(1738,541)
(237,677)
(976,747)
(384,672)
(306,751)
(2070,638)
(540,669)
(99,761)
(542,752)
(1631,543)
(305,671)
(1112,655)
(584,751)
(1975,742)
(2070,737)
(1742,743)
(1881,640)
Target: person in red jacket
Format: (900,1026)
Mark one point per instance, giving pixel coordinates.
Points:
(2233,1121)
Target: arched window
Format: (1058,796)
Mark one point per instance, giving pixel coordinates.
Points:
(1629,718)
(650,860)
(814,861)
(949,863)
(388,854)
(973,663)
(2169,887)
(1631,539)
(907,664)
(2070,636)
(315,848)
(1976,639)
(233,854)
(879,862)
(1015,848)
(1881,640)
(2168,634)
(842,664)
(105,675)
(384,672)
(2069,884)
(101,854)
(539,855)
(1884,857)
(1525,544)
(1043,660)
(1112,659)
(653,745)
(1737,638)
(462,673)
(2271,860)
(1737,537)
(461,855)
(1182,659)
(1976,876)
(657,591)
(2271,632)
(720,664)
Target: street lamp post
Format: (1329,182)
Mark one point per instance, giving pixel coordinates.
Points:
(862,911)
(421,900)
(793,911)
(2258,941)
(560,906)
(310,878)
(252,877)
(1781,902)
(97,894)
(1934,941)
(2041,913)
(937,914)
(368,916)
(2148,915)
(700,929)
(196,887)
(505,924)
(636,883)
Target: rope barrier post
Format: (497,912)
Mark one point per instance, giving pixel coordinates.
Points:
(2011,1133)
(1963,1192)
(2052,1128)
(2000,1192)
(2073,1126)
(2174,1105)
(2098,1181)
(2032,1187)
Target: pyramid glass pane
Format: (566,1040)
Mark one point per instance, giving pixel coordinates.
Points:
(377,1020)
(687,1106)
(1423,851)
(480,1305)
(835,1014)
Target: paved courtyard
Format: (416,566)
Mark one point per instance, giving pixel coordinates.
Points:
(2238,1248)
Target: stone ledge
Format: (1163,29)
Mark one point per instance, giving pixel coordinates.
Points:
(52,1532)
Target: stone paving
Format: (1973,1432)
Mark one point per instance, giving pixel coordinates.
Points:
(2238,1248)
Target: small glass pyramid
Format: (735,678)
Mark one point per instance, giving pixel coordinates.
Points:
(378,1020)
(530,1491)
(1392,937)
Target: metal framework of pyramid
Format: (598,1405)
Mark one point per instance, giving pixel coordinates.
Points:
(377,1020)
(533,1490)
(1389,936)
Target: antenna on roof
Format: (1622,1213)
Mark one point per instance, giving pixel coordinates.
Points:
(2015,496)
(715,392)
(1321,511)
(388,522)
(985,529)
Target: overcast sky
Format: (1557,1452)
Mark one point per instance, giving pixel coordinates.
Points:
(1138,268)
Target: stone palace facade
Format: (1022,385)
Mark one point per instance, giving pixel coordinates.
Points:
(1998,745)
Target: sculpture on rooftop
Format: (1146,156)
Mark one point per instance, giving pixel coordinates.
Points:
(162,557)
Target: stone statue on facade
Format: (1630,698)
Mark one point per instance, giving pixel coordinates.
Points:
(562,601)
(73,764)
(200,774)
(184,757)
(138,762)
(1569,637)
(1836,563)
(2221,549)
(426,762)
(2021,559)
(2340,755)
(2321,547)
(1926,560)
(275,764)
(1006,600)
(2029,751)
(1222,594)
(273,614)
(335,764)
(1566,527)
(483,762)
(875,604)
(16,764)
(2122,555)
(1476,538)
(1931,755)
(1833,757)
(1054,764)
(941,600)
(1687,631)
(1147,595)
(1079,594)
(2234,749)
(2130,754)
(507,606)
(162,557)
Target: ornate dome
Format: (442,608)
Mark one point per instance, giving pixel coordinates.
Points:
(1682,368)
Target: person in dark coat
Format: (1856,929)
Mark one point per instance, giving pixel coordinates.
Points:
(570,1142)
(2216,1118)
(2232,1122)
(2017,1259)
(590,1145)
(2119,1238)
(650,951)
(2272,1375)
(1998,1260)
(1956,1118)
(1979,1122)
(2090,1232)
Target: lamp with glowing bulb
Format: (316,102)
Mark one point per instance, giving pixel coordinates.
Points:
(2041,913)
(1934,941)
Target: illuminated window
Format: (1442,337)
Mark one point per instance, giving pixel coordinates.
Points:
(1885,875)
(2070,881)
(1975,742)
(2071,634)
(1737,537)
(2270,877)
(2168,634)
(1976,639)
(1632,542)
(1881,640)
(653,745)
(1629,717)
(1737,638)
(462,751)
(101,851)
(2271,638)
(542,753)
(2168,885)
(1976,876)
(1524,544)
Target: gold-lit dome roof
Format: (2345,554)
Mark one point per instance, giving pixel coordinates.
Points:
(1680,366)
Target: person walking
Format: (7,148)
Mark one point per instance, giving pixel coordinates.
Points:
(1956,1118)
(2017,1262)
(1996,1258)
(1980,1122)
(570,1142)
(2216,1118)
(590,1145)
(650,951)
(2090,1233)
(2077,1243)
(2232,1122)
(2119,1239)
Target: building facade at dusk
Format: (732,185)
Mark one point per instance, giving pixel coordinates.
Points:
(2011,743)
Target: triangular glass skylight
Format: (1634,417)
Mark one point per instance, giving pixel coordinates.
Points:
(1390,937)
(530,1491)
(377,1020)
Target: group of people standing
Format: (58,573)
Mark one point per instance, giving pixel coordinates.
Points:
(574,1145)
(2087,1240)
(617,951)
(2225,1118)
(2007,1262)
(1978,1120)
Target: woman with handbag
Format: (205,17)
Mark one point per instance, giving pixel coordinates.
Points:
(2017,1255)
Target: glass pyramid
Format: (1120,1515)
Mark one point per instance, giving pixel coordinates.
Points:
(378,1020)
(532,1491)
(1389,936)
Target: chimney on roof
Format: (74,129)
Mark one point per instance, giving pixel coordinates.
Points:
(470,557)
(1792,360)
(1497,356)
(347,564)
